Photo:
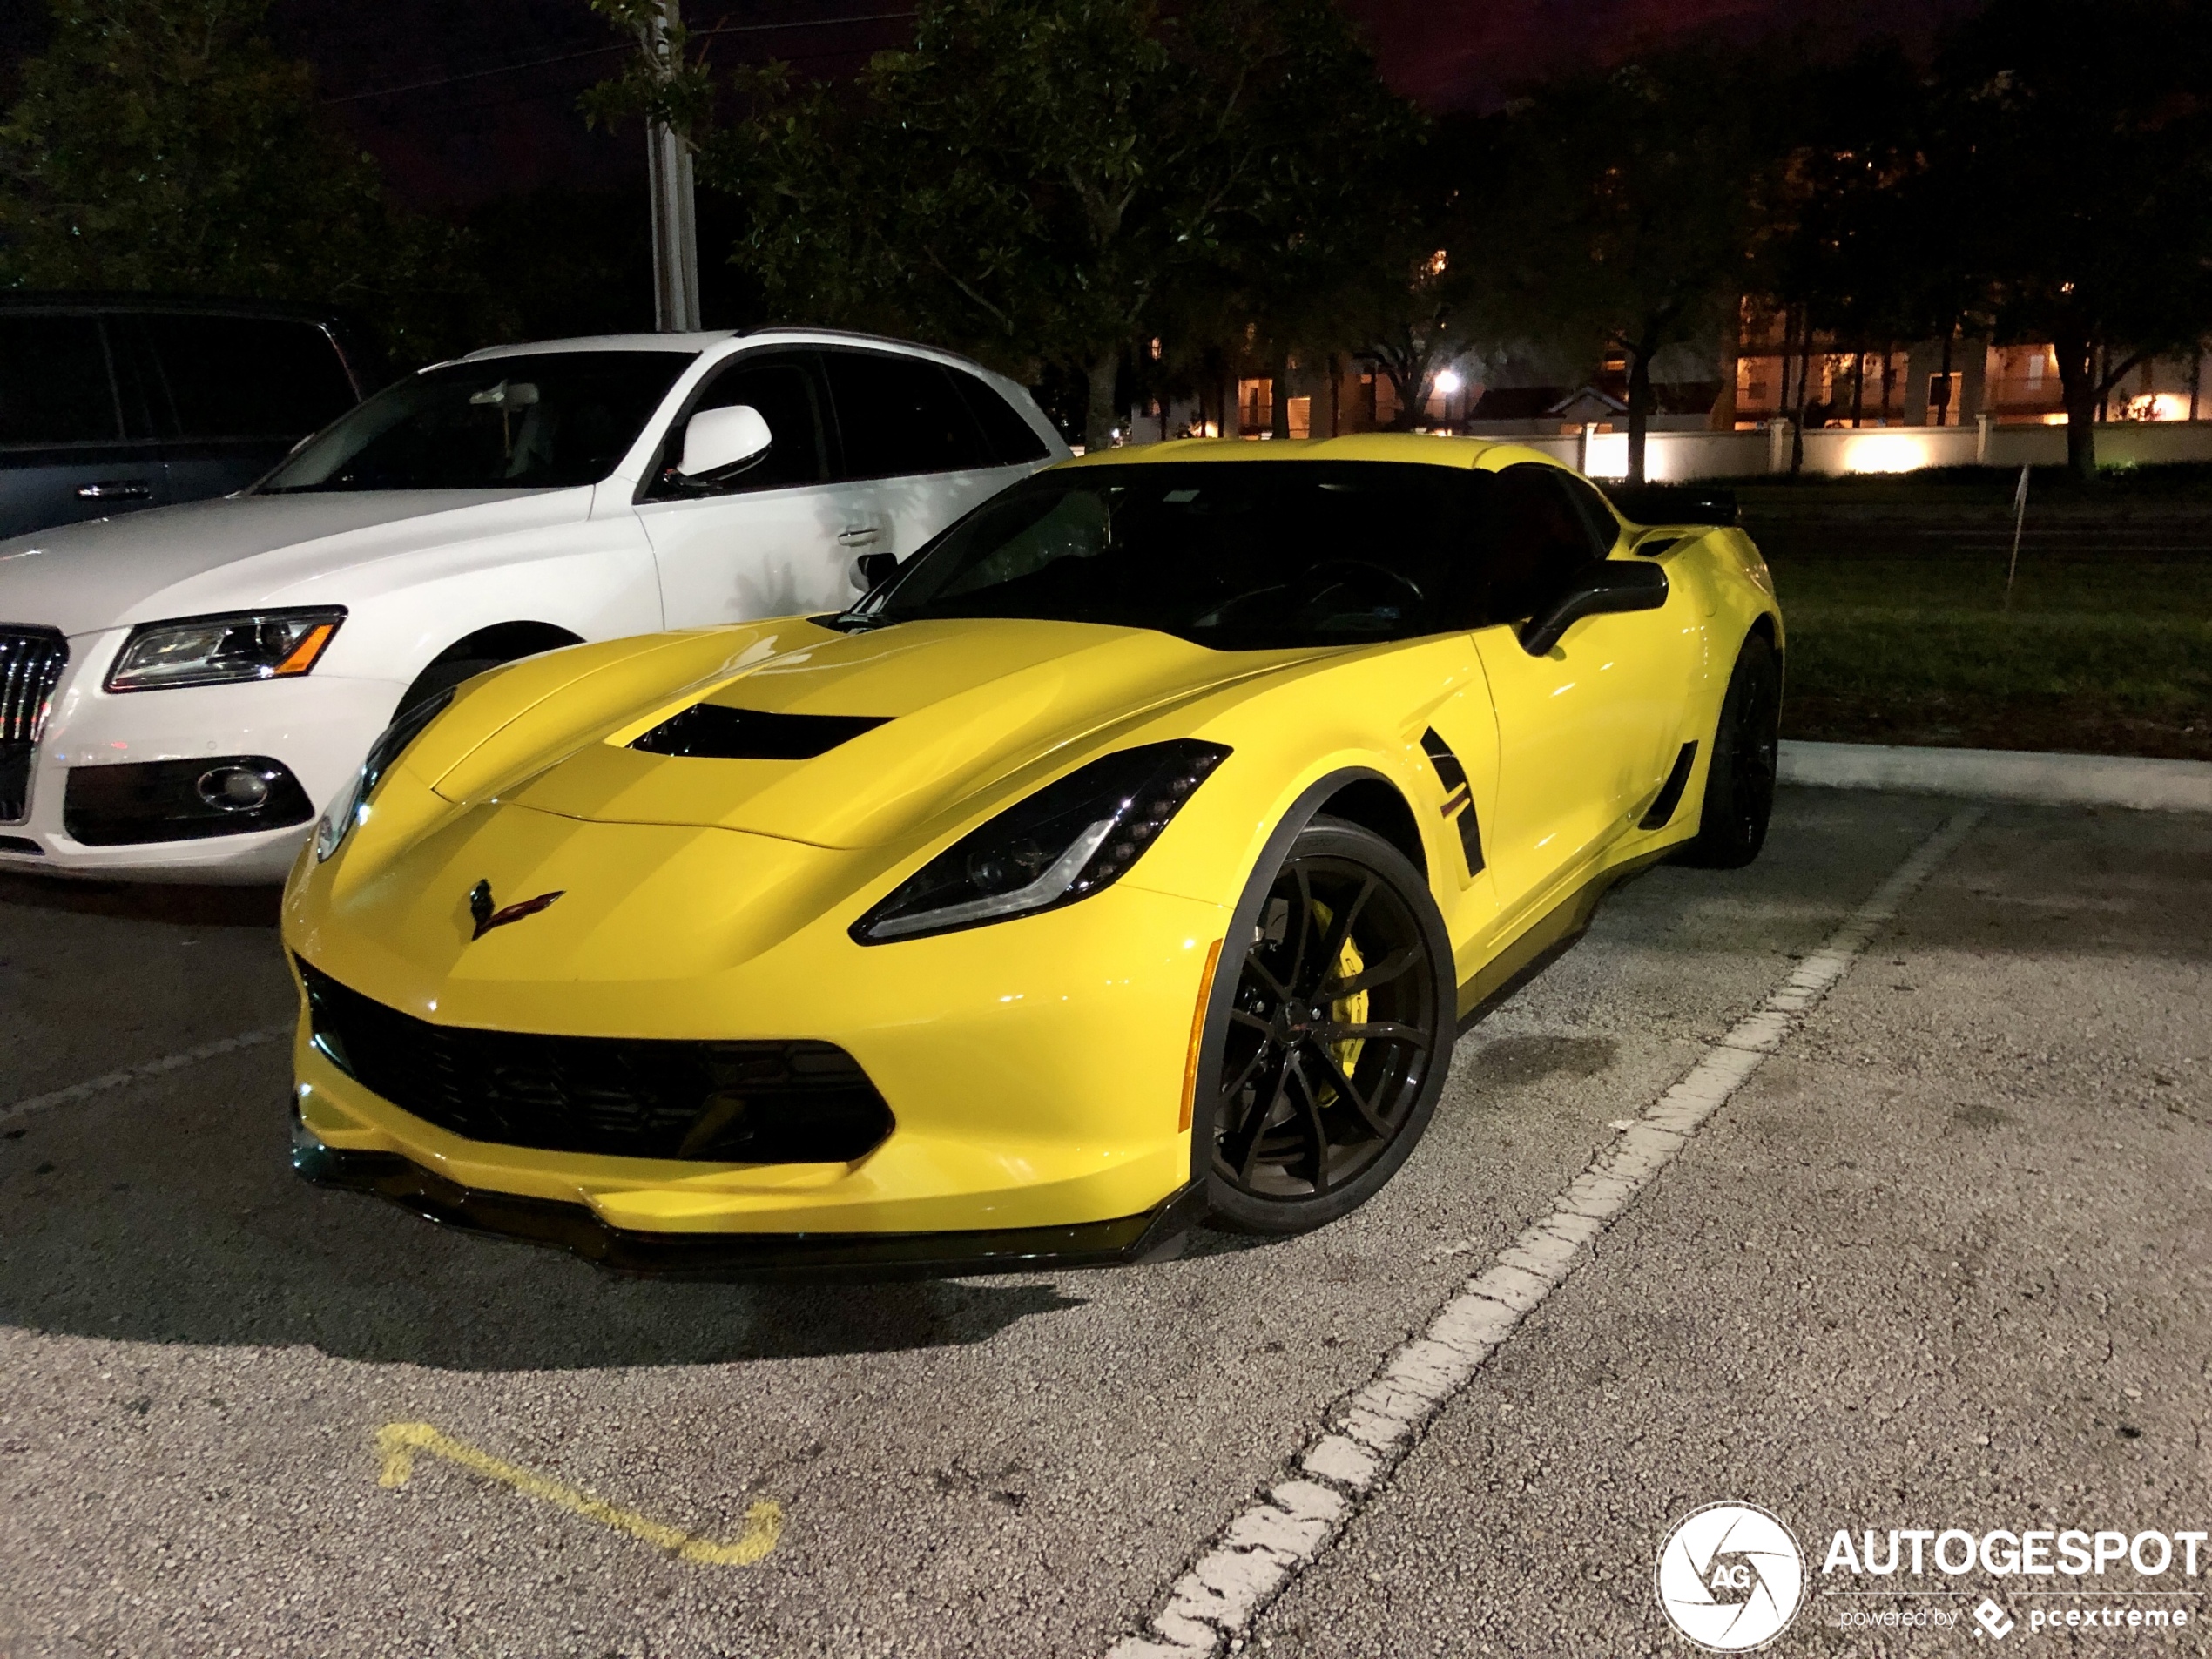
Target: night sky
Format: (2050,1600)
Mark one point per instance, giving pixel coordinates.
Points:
(465,102)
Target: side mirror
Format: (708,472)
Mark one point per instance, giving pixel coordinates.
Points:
(876,569)
(718,439)
(1608,585)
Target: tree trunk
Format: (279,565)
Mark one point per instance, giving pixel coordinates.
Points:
(2078,389)
(1407,383)
(1100,420)
(1278,409)
(1639,409)
(1336,394)
(1859,386)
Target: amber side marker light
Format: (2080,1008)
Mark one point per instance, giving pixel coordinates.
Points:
(304,654)
(1197,1036)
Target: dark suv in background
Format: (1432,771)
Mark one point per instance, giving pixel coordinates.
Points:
(110,402)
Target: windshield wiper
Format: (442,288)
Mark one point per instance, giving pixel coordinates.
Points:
(851,622)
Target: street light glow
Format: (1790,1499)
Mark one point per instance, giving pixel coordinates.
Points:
(1448,381)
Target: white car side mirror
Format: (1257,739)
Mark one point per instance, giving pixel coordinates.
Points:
(720,438)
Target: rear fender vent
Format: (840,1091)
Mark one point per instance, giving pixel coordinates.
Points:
(1670,797)
(1458,797)
(710,732)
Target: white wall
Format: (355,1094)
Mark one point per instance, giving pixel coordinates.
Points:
(1836,451)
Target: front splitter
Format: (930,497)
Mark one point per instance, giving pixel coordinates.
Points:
(1157,1234)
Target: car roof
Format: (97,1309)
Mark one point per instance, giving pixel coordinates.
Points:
(106,302)
(705,339)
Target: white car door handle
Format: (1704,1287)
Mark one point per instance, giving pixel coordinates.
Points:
(858,535)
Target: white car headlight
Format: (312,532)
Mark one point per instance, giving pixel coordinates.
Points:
(212,650)
(350,805)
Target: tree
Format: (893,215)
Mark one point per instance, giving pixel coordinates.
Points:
(1847,239)
(1616,209)
(1328,228)
(2074,163)
(166,144)
(1032,177)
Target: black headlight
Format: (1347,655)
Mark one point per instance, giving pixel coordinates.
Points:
(350,805)
(1063,843)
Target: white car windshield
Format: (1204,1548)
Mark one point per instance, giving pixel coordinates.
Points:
(538,422)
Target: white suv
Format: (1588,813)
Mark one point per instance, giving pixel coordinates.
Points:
(182,690)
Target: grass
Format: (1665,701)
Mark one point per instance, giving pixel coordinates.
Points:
(2106,647)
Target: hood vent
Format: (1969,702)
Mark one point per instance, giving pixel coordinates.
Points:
(710,732)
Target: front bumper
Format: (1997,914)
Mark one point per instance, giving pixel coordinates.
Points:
(318,725)
(1034,1071)
(1157,1234)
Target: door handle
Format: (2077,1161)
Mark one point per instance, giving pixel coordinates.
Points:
(115,491)
(858,535)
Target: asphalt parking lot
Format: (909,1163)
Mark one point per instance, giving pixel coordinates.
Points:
(1941,1261)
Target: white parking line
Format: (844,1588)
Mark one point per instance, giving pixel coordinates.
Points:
(1269,1542)
(106,1081)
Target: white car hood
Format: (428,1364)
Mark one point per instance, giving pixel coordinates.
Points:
(246,551)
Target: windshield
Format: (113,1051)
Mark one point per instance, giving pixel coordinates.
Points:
(538,422)
(1255,555)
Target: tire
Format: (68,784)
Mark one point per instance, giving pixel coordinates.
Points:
(1300,1119)
(442,675)
(1739,785)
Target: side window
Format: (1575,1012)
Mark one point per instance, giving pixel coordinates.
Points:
(1540,542)
(784,389)
(54,384)
(901,415)
(248,377)
(1597,513)
(1012,439)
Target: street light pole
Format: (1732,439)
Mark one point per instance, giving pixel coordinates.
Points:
(676,232)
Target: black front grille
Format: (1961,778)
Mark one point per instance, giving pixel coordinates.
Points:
(31,660)
(720,1102)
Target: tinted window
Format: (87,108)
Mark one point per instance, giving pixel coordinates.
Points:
(784,390)
(1595,512)
(1012,439)
(54,385)
(248,377)
(1237,555)
(1541,541)
(533,421)
(900,414)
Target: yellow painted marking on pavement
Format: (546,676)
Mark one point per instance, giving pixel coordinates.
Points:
(400,1442)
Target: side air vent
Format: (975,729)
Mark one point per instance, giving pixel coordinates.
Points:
(1458,797)
(710,732)
(1670,797)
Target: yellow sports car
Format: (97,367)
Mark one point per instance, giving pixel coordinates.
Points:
(1129,857)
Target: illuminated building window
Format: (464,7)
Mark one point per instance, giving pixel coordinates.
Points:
(1255,405)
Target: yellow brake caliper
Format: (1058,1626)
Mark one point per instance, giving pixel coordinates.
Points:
(1347,1010)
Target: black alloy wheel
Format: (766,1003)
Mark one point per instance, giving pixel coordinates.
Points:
(1739,785)
(1329,1035)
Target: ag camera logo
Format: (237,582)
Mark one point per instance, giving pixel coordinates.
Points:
(1730,1577)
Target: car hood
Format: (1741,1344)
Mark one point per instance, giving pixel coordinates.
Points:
(967,708)
(243,551)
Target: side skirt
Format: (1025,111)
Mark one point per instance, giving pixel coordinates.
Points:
(1551,936)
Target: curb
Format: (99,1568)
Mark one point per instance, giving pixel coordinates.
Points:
(2004,774)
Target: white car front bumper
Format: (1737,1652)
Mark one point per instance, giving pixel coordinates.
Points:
(318,726)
